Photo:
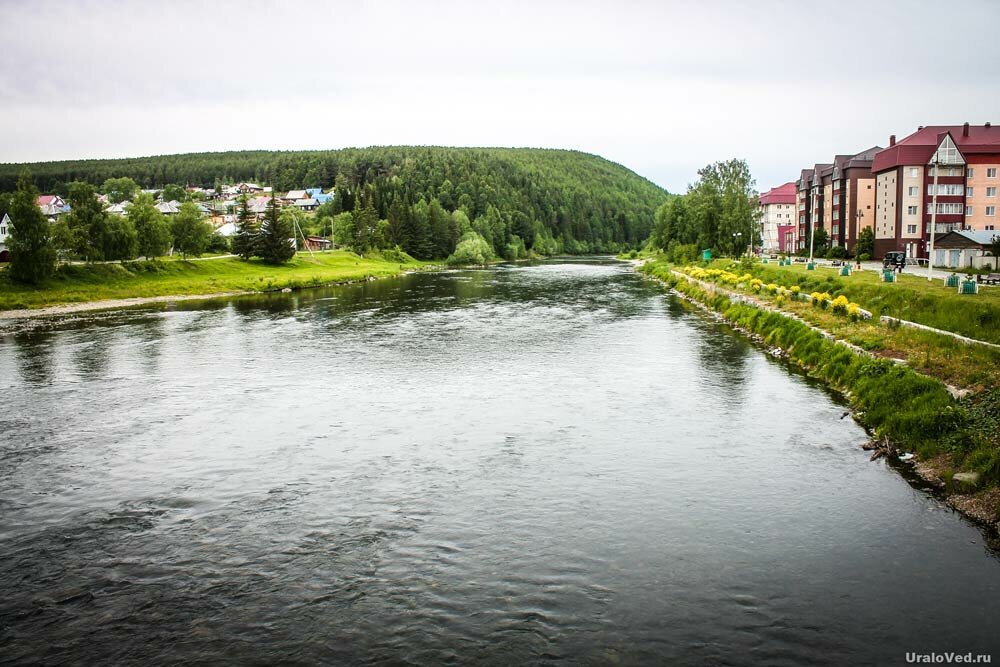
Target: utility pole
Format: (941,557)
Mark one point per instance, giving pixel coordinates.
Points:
(930,252)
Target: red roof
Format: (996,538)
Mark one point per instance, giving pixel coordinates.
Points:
(783,194)
(920,146)
(46,200)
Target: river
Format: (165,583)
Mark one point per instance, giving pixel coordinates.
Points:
(558,463)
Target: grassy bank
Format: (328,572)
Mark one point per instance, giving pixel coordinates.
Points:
(912,298)
(893,400)
(80,283)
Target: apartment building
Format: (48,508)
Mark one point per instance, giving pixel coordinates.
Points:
(963,158)
(777,213)
(813,188)
(852,197)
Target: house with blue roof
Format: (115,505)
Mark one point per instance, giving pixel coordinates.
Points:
(318,194)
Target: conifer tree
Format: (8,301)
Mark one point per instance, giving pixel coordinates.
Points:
(32,254)
(247,235)
(276,244)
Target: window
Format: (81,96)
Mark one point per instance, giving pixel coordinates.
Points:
(913,172)
(989,228)
(911,229)
(946,209)
(968,210)
(991,192)
(968,172)
(3,231)
(991,172)
(968,192)
(911,210)
(913,190)
(945,189)
(991,210)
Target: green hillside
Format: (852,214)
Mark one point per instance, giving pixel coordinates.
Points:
(570,201)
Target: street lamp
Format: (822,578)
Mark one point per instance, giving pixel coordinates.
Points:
(936,162)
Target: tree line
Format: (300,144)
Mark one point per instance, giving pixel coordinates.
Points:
(551,201)
(718,212)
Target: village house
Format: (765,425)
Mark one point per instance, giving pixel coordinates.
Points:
(5,226)
(318,194)
(52,206)
(294,195)
(964,249)
(306,204)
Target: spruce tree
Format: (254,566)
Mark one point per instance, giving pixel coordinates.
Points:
(247,231)
(32,253)
(276,237)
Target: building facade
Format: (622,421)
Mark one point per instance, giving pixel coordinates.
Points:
(944,173)
(777,210)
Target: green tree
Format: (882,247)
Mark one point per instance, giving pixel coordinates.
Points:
(119,240)
(32,254)
(865,244)
(173,192)
(277,244)
(365,219)
(120,189)
(343,229)
(151,227)
(191,233)
(821,241)
(87,221)
(247,235)
(995,249)
(471,249)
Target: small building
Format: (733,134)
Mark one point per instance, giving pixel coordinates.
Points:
(318,194)
(295,195)
(5,227)
(168,207)
(963,249)
(245,188)
(318,243)
(306,204)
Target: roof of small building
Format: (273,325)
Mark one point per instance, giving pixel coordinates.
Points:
(306,202)
(917,148)
(783,194)
(47,200)
(296,194)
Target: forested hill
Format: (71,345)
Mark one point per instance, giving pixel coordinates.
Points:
(580,202)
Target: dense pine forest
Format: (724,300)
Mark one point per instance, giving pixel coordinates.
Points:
(548,200)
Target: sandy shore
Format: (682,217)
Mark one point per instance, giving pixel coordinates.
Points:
(107,304)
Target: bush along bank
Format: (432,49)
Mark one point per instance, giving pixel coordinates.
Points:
(954,442)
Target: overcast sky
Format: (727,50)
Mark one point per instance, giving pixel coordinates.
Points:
(661,87)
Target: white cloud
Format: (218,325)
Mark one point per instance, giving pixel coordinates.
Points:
(660,87)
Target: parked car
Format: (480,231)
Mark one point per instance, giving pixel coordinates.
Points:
(894,259)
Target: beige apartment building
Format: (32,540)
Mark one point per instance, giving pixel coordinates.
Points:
(959,193)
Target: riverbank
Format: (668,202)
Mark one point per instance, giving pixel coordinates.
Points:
(954,441)
(76,288)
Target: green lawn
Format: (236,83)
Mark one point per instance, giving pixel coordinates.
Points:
(80,283)
(912,298)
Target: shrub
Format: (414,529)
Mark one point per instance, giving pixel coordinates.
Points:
(864,257)
(839,305)
(472,249)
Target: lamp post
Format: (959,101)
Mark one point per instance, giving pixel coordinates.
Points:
(736,237)
(936,162)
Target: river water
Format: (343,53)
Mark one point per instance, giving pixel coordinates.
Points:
(544,464)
